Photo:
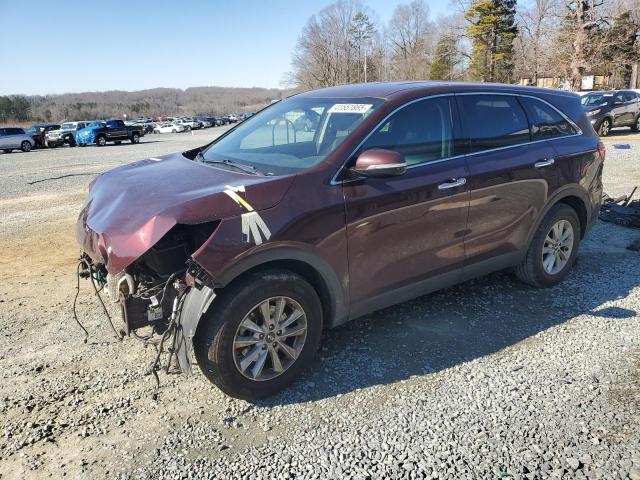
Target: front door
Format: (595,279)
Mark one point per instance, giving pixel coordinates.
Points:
(405,233)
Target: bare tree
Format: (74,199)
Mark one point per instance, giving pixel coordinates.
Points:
(411,41)
(535,47)
(584,20)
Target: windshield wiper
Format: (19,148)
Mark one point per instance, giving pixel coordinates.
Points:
(240,166)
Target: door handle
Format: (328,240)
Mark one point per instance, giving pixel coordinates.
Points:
(456,182)
(544,163)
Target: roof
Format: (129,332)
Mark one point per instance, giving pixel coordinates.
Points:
(387,90)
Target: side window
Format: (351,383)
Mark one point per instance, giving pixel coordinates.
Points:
(2,132)
(545,121)
(619,98)
(421,131)
(493,121)
(15,131)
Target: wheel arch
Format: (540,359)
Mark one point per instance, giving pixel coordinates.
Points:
(573,195)
(309,266)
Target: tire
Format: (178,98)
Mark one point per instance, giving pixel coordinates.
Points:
(101,141)
(605,128)
(533,270)
(135,138)
(636,126)
(214,338)
(25,146)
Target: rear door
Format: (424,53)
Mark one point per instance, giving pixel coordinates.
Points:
(408,230)
(509,177)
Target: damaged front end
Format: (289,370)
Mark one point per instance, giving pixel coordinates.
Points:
(152,292)
(146,229)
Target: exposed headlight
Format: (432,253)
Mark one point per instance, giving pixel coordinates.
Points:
(594,112)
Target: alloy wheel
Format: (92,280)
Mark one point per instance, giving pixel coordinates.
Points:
(270,338)
(604,129)
(557,247)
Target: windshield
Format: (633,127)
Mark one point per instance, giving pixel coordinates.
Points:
(68,126)
(95,124)
(292,135)
(31,130)
(595,99)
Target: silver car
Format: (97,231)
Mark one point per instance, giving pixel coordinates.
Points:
(12,138)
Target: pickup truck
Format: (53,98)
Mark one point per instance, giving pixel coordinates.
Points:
(99,133)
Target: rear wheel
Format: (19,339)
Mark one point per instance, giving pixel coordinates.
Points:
(101,141)
(135,138)
(605,128)
(259,334)
(553,250)
(25,146)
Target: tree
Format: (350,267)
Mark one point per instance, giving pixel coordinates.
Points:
(361,33)
(621,47)
(535,47)
(446,58)
(410,36)
(582,22)
(329,50)
(492,30)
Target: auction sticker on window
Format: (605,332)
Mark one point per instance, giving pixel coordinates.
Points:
(350,108)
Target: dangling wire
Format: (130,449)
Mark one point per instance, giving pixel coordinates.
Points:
(75,299)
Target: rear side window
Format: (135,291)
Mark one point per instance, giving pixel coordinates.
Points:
(421,131)
(546,121)
(14,131)
(493,121)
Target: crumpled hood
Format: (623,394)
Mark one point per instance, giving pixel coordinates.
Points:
(130,208)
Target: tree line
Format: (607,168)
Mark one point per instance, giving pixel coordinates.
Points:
(154,102)
(481,40)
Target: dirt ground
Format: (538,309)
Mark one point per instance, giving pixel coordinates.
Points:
(90,410)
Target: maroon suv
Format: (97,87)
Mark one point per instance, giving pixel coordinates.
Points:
(332,204)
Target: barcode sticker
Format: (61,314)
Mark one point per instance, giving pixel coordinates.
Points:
(350,108)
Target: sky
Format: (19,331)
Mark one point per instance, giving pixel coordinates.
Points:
(77,46)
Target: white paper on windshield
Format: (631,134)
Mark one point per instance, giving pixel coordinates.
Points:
(350,108)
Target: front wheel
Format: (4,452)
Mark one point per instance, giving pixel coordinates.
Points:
(259,334)
(135,138)
(101,141)
(605,128)
(25,146)
(553,250)
(636,126)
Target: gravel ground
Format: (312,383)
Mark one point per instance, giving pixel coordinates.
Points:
(489,379)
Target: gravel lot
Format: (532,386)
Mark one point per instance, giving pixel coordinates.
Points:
(489,379)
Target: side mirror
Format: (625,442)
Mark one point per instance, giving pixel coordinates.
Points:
(379,163)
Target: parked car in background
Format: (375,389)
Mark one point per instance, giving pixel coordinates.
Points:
(231,118)
(39,131)
(612,109)
(416,186)
(168,128)
(65,134)
(14,138)
(99,133)
(246,115)
(204,121)
(187,124)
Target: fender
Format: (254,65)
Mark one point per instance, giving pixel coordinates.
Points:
(569,190)
(198,300)
(337,294)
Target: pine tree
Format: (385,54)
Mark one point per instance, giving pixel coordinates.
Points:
(445,58)
(492,31)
